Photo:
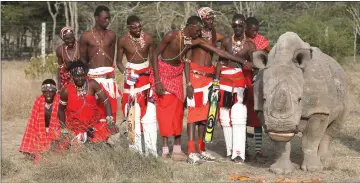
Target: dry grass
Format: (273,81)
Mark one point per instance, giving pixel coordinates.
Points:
(103,164)
(17,93)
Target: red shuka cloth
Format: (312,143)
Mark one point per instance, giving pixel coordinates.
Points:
(35,139)
(253,119)
(169,114)
(64,76)
(200,111)
(171,77)
(83,114)
(260,42)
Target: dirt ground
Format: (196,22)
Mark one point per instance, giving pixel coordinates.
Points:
(103,164)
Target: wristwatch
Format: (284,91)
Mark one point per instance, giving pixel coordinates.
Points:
(64,131)
(110,119)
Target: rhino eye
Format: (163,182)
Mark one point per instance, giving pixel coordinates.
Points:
(299,99)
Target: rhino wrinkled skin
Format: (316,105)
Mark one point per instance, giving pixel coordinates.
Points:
(299,89)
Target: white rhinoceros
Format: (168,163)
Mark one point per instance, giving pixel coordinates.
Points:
(299,89)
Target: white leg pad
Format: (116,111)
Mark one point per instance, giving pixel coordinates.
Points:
(227,129)
(240,94)
(150,130)
(137,145)
(238,119)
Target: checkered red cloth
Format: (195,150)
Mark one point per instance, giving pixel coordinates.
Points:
(171,77)
(35,139)
(64,76)
(260,41)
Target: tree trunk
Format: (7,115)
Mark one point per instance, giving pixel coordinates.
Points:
(76,20)
(66,13)
(53,16)
(71,8)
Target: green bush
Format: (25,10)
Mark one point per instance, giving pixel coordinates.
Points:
(332,35)
(37,68)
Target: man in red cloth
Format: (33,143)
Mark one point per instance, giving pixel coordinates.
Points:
(261,43)
(201,72)
(43,127)
(137,46)
(252,32)
(233,112)
(83,120)
(66,53)
(97,50)
(167,80)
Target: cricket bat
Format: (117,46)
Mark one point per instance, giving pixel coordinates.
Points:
(131,114)
(212,115)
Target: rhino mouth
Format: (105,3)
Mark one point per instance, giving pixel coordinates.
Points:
(281,137)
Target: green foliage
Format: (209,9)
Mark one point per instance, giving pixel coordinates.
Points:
(332,35)
(36,68)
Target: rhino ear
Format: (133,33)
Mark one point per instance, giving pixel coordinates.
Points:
(302,56)
(260,59)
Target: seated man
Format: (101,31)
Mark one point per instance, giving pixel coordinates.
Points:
(43,126)
(83,117)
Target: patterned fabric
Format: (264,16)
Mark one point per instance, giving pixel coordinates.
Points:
(171,77)
(82,113)
(260,41)
(204,11)
(198,106)
(63,30)
(230,78)
(105,76)
(141,87)
(65,77)
(36,139)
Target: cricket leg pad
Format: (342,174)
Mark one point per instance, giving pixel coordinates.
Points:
(227,129)
(238,120)
(150,130)
(137,146)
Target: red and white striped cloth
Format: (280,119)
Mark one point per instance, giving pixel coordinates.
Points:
(142,84)
(231,79)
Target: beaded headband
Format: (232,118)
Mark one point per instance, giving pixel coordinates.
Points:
(239,22)
(48,87)
(66,30)
(205,12)
(77,71)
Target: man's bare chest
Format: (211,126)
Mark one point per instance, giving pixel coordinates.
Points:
(134,47)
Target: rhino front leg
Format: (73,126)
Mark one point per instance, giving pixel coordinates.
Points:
(332,130)
(312,136)
(324,152)
(283,164)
